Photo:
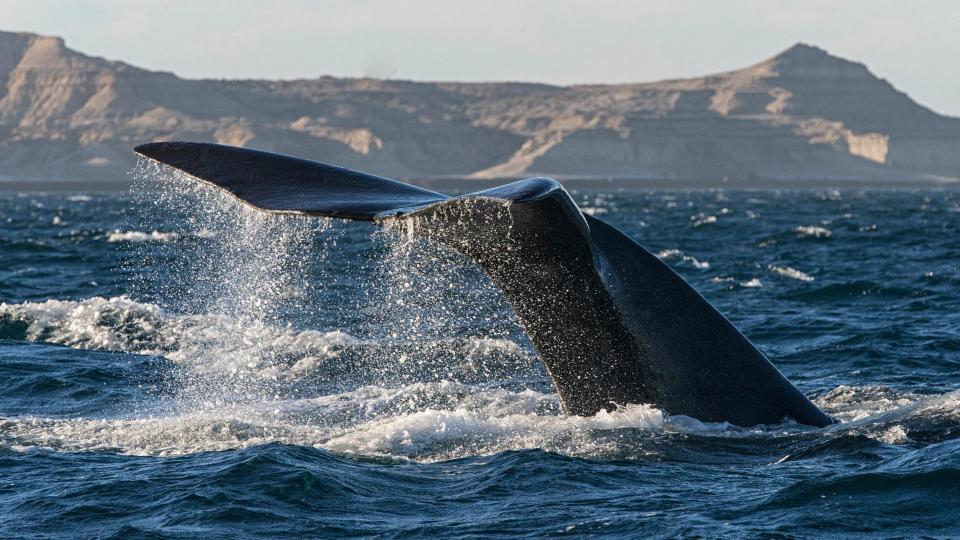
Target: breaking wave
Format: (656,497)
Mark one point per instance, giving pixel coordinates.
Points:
(233,396)
(370,421)
(220,344)
(246,394)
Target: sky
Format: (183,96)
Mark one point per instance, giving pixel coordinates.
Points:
(913,44)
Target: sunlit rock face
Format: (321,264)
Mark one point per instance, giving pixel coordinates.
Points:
(802,114)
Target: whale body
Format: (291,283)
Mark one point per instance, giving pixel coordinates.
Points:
(611,322)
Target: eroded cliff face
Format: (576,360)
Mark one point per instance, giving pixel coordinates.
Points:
(801,114)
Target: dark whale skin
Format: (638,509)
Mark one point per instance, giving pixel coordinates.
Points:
(612,323)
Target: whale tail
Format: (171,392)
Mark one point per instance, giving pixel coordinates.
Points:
(611,322)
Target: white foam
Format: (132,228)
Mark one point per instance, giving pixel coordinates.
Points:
(893,435)
(439,421)
(792,273)
(699,265)
(888,415)
(140,236)
(701,219)
(814,231)
(206,342)
(95,323)
(445,434)
(668,254)
(202,431)
(422,421)
(416,421)
(849,403)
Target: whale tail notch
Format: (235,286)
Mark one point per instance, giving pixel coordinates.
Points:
(612,323)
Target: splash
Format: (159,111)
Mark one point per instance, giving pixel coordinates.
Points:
(428,422)
(413,355)
(240,288)
(425,292)
(423,422)
(236,298)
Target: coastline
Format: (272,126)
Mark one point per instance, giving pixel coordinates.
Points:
(456,184)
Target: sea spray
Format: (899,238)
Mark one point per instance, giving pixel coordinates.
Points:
(249,269)
(238,293)
(424,293)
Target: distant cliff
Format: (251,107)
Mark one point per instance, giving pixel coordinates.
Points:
(802,114)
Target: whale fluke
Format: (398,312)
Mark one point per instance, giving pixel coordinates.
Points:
(612,323)
(288,185)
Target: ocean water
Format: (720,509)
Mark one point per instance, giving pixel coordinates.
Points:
(174,365)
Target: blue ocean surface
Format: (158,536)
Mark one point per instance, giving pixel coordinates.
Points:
(176,365)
